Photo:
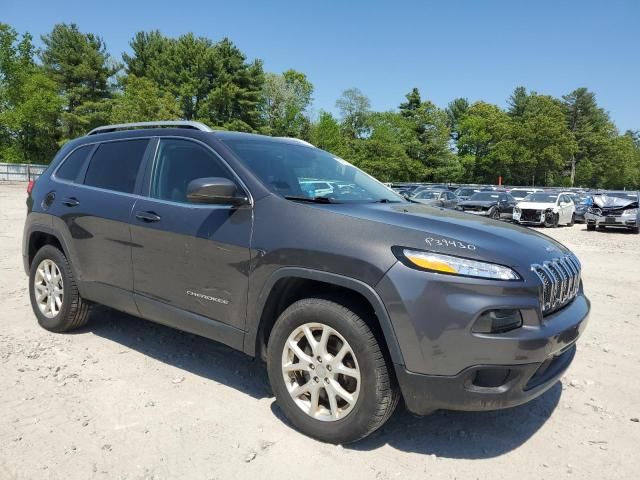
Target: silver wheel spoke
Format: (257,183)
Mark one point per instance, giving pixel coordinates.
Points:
(303,357)
(333,403)
(349,372)
(313,405)
(341,392)
(324,338)
(300,389)
(296,367)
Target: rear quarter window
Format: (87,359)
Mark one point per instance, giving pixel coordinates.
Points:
(115,165)
(72,165)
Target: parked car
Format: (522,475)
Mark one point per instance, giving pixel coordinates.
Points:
(614,209)
(315,188)
(436,198)
(491,204)
(545,208)
(582,203)
(463,193)
(355,299)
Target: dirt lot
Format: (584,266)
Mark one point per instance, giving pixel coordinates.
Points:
(128,399)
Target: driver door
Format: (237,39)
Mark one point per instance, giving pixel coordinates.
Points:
(193,257)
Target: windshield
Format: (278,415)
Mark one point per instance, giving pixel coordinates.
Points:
(542,197)
(485,196)
(520,193)
(426,195)
(307,172)
(465,192)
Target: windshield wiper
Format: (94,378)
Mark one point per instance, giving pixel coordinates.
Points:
(310,199)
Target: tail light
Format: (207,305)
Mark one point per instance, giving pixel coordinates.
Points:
(30,186)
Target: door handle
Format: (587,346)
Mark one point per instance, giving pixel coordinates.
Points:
(148,217)
(70,202)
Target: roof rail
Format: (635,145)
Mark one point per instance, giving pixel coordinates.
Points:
(169,123)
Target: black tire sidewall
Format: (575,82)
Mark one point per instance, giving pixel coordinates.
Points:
(57,323)
(357,423)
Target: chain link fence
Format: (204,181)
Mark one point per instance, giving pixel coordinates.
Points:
(20,172)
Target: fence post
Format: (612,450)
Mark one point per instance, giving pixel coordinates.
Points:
(28,172)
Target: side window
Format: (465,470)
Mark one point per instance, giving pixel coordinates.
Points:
(72,165)
(115,165)
(180,161)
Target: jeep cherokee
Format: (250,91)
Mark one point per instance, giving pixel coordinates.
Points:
(354,296)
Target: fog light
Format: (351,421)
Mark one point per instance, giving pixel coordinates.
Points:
(498,321)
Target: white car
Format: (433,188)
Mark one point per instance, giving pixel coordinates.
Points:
(545,208)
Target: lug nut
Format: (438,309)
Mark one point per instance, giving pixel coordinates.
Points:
(319,359)
(316,379)
(329,367)
(311,366)
(326,380)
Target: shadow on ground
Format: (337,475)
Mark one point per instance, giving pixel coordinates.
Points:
(198,355)
(471,435)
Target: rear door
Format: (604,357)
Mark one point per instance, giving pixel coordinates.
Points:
(194,257)
(92,208)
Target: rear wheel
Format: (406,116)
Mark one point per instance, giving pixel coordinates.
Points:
(53,292)
(573,220)
(328,372)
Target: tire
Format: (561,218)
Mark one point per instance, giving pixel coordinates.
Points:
(551,222)
(635,230)
(590,227)
(494,213)
(73,311)
(573,220)
(373,397)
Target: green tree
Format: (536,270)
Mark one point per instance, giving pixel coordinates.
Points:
(142,100)
(456,109)
(327,134)
(354,108)
(592,130)
(485,143)
(430,140)
(29,105)
(82,69)
(286,100)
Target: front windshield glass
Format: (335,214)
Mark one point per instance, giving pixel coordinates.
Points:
(292,170)
(625,195)
(542,197)
(426,195)
(519,193)
(485,196)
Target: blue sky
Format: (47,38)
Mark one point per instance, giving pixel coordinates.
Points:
(476,49)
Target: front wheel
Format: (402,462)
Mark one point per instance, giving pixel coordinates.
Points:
(551,219)
(328,372)
(590,227)
(494,213)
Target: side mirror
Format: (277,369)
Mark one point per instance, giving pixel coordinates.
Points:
(215,190)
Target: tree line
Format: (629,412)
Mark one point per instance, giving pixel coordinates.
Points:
(72,84)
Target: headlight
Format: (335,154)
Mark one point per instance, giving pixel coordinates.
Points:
(437,262)
(630,212)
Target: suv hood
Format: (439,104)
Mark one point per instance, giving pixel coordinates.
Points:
(446,231)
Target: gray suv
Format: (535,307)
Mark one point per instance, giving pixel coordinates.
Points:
(354,296)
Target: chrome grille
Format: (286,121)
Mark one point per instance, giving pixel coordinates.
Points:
(560,281)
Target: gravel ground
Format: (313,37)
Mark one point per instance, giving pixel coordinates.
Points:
(127,399)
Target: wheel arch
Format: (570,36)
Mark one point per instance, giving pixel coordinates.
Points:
(290,284)
(37,237)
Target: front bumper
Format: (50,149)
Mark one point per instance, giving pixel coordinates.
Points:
(448,366)
(611,221)
(483,387)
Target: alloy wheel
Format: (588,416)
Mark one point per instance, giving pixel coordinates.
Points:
(321,372)
(48,288)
